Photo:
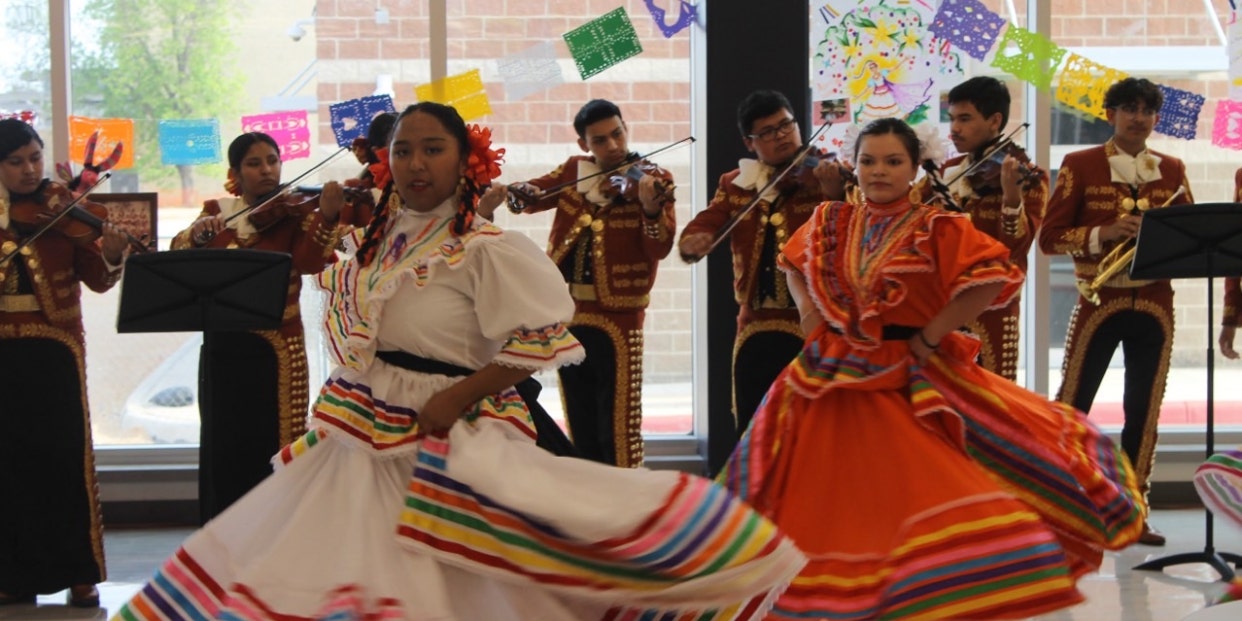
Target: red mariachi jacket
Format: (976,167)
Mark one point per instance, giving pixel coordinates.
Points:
(55,267)
(1085,197)
(746,240)
(627,247)
(309,239)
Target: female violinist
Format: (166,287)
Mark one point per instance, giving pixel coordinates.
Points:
(253,392)
(51,522)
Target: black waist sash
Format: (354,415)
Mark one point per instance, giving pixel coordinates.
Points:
(547,433)
(419,364)
(891,332)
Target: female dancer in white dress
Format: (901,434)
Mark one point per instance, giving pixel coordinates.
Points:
(419,492)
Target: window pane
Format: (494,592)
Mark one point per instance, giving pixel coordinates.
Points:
(130,62)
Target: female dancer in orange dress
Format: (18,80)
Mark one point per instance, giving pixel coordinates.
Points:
(918,484)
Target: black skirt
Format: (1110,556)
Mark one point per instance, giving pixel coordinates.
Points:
(50,537)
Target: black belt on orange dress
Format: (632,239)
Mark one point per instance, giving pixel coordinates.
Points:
(891,332)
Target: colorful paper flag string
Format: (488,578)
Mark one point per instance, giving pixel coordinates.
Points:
(463,91)
(351,119)
(1179,116)
(188,142)
(530,71)
(1035,60)
(969,25)
(603,42)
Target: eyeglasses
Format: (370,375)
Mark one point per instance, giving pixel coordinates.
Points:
(771,133)
(1133,109)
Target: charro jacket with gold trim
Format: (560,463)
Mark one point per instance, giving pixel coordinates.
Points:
(746,240)
(1017,231)
(1085,197)
(55,268)
(309,239)
(626,246)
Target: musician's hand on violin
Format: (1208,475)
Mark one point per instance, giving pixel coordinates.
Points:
(649,195)
(114,243)
(492,199)
(831,177)
(695,245)
(1011,181)
(204,227)
(331,201)
(1226,342)
(1125,227)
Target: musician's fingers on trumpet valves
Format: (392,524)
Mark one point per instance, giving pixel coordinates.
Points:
(1125,227)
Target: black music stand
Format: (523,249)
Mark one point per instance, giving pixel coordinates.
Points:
(204,290)
(1193,241)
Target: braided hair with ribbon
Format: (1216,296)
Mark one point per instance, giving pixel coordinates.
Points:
(481,164)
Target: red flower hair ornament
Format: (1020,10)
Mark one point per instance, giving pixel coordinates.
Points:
(483,164)
(381,174)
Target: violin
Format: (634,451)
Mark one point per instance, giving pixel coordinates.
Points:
(271,211)
(519,197)
(81,222)
(804,172)
(984,175)
(277,205)
(622,185)
(353,193)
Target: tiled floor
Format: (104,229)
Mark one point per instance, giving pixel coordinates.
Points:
(1116,592)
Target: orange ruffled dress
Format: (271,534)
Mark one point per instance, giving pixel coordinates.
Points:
(928,492)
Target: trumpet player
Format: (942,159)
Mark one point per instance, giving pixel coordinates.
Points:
(1096,206)
(1004,198)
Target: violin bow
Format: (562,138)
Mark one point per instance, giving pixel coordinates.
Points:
(939,187)
(993,150)
(283,188)
(43,228)
(733,221)
(556,189)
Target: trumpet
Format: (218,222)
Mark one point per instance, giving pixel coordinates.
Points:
(1113,263)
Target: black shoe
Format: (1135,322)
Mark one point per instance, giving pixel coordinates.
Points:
(83,596)
(13,600)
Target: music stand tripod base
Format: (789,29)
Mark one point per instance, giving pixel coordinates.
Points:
(1203,240)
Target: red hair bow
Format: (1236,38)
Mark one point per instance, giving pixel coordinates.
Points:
(483,165)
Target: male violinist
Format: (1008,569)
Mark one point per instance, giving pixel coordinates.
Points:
(1004,198)
(769,333)
(1096,205)
(608,235)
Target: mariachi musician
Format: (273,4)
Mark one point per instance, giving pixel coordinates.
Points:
(52,531)
(768,330)
(1003,195)
(610,232)
(1232,315)
(253,386)
(1094,215)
